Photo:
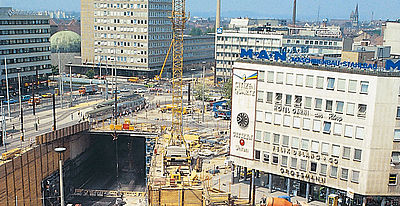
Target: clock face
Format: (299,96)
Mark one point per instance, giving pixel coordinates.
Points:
(243,120)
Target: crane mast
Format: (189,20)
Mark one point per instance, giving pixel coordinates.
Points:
(178,19)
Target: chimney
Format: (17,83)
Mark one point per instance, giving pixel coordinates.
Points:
(294,12)
(218,17)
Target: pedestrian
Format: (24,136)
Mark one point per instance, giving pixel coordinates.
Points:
(13,126)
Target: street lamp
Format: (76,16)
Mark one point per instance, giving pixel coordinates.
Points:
(3,127)
(204,68)
(60,151)
(70,82)
(20,105)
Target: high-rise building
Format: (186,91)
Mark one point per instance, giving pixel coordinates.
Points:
(24,40)
(133,35)
(312,130)
(391,31)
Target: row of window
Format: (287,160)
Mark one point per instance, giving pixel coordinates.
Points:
(315,125)
(318,82)
(120,59)
(26,59)
(23,22)
(307,145)
(24,31)
(312,42)
(307,103)
(305,165)
(24,41)
(24,50)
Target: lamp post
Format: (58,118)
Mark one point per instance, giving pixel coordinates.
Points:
(204,68)
(20,106)
(70,82)
(3,128)
(60,151)
(8,93)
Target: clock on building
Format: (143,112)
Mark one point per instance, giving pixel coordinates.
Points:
(242,119)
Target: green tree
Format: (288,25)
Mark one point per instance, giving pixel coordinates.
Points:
(227,91)
(196,32)
(198,92)
(210,30)
(90,73)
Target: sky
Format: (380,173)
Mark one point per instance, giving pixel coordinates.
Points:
(307,9)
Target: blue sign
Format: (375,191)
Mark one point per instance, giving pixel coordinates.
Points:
(275,55)
(307,60)
(391,65)
(219,30)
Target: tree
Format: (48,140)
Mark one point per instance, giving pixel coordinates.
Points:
(196,32)
(210,30)
(227,91)
(90,73)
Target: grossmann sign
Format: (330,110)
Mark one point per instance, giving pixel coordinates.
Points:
(244,91)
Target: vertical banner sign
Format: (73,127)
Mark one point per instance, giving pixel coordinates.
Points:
(244,91)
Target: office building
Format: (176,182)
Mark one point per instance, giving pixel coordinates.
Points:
(198,49)
(133,36)
(391,31)
(312,131)
(24,40)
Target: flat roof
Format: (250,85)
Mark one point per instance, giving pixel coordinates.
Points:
(378,73)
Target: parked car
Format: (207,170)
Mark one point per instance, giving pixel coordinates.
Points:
(25,98)
(47,95)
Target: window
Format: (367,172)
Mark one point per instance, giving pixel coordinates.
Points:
(352,86)
(357,154)
(362,110)
(296,122)
(286,120)
(307,103)
(304,144)
(348,131)
(331,83)
(266,157)
(313,167)
(276,138)
(339,107)
(270,77)
(303,165)
(293,163)
(261,76)
(289,79)
(318,104)
(278,98)
(323,169)
(344,174)
(267,137)
(392,179)
(320,83)
(268,117)
(335,150)
(328,106)
(350,108)
(315,146)
(285,140)
(269,97)
(288,99)
(257,154)
(333,171)
(317,126)
(295,142)
(309,81)
(325,148)
(259,116)
(360,133)
(258,135)
(275,159)
(284,162)
(278,119)
(279,77)
(298,101)
(364,87)
(337,129)
(341,85)
(306,124)
(346,152)
(355,176)
(396,135)
(299,80)
(327,127)
(260,96)
(395,158)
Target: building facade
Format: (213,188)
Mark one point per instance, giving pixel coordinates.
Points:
(390,31)
(198,49)
(24,40)
(313,131)
(132,35)
(228,45)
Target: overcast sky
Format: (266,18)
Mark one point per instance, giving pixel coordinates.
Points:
(307,9)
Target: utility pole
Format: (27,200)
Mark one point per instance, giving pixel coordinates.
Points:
(61,80)
(54,112)
(21,116)
(3,137)
(203,90)
(70,83)
(8,93)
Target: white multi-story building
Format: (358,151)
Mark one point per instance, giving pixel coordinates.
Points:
(24,42)
(229,43)
(391,31)
(313,131)
(133,35)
